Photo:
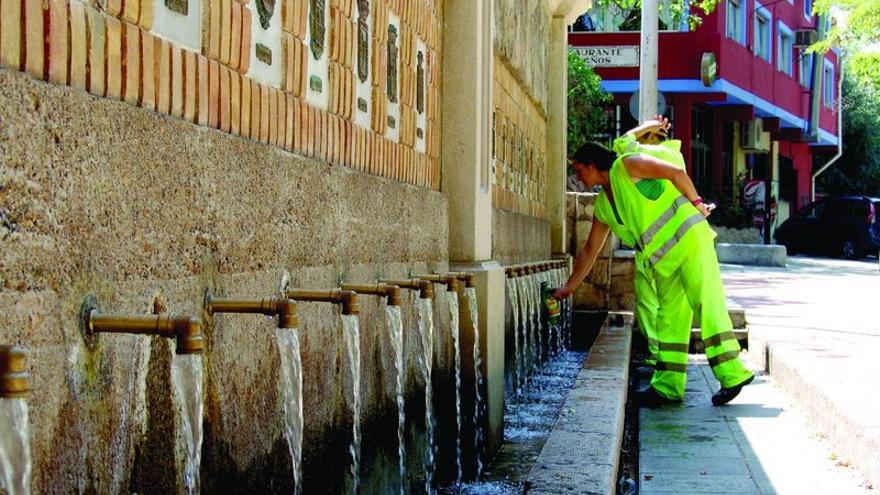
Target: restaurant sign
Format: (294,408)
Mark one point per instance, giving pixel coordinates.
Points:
(609,56)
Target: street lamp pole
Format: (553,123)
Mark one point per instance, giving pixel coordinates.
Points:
(648,60)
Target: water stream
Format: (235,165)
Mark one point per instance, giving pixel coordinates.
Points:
(425,309)
(452,301)
(351,335)
(15,447)
(394,324)
(528,420)
(514,304)
(187,375)
(471,294)
(291,381)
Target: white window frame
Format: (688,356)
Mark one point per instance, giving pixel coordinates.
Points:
(805,68)
(828,90)
(781,58)
(808,9)
(765,15)
(740,36)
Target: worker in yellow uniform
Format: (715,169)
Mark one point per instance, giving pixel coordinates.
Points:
(646,304)
(657,203)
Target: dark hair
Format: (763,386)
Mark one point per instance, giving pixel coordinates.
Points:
(595,153)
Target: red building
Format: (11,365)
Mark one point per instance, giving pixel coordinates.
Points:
(753,121)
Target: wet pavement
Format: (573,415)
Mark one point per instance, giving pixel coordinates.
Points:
(758,444)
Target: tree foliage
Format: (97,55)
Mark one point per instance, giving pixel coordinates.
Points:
(856,31)
(586,102)
(673,13)
(858,169)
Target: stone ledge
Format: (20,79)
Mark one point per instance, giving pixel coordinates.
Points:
(751,254)
(583,450)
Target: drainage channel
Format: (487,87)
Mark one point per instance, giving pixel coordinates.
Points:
(628,466)
(529,417)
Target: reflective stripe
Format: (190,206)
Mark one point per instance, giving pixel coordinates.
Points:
(723,358)
(665,366)
(662,220)
(682,230)
(719,339)
(666,346)
(653,342)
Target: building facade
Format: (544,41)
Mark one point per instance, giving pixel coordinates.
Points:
(738,90)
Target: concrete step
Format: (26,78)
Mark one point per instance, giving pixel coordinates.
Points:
(583,450)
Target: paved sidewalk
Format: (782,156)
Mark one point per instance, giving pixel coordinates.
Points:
(816,326)
(758,444)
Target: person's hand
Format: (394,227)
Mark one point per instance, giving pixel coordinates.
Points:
(705,209)
(652,130)
(563,292)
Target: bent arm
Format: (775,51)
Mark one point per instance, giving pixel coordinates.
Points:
(585,259)
(649,167)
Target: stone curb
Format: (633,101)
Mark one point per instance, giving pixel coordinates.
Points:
(583,450)
(852,439)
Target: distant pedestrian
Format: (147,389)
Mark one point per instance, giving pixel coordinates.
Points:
(656,203)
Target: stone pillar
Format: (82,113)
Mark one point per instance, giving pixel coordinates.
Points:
(557,123)
(466,151)
(466,128)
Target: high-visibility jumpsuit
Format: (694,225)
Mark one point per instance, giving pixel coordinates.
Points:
(646,304)
(679,245)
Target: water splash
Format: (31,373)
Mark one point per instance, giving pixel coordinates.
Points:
(351,335)
(514,304)
(526,319)
(426,332)
(539,326)
(15,447)
(394,324)
(452,303)
(471,294)
(187,374)
(291,381)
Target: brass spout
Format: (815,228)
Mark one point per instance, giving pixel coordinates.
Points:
(284,309)
(449,280)
(378,289)
(186,330)
(425,287)
(348,299)
(14,379)
(467,278)
(510,271)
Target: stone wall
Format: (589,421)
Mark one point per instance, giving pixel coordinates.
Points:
(353,87)
(522,31)
(519,238)
(145,211)
(595,292)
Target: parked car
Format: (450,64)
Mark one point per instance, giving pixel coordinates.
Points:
(846,226)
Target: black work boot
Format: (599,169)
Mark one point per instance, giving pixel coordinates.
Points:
(644,371)
(726,395)
(652,399)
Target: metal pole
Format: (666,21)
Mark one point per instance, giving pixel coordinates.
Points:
(840,63)
(648,60)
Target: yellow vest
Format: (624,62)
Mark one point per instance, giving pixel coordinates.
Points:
(668,229)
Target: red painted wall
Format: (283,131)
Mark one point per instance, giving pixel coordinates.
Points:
(680,58)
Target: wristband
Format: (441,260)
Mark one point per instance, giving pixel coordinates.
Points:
(697,202)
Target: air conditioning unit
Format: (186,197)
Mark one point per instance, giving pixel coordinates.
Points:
(804,37)
(754,140)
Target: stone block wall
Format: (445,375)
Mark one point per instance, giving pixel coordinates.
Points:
(155,151)
(521,33)
(519,181)
(281,72)
(595,292)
